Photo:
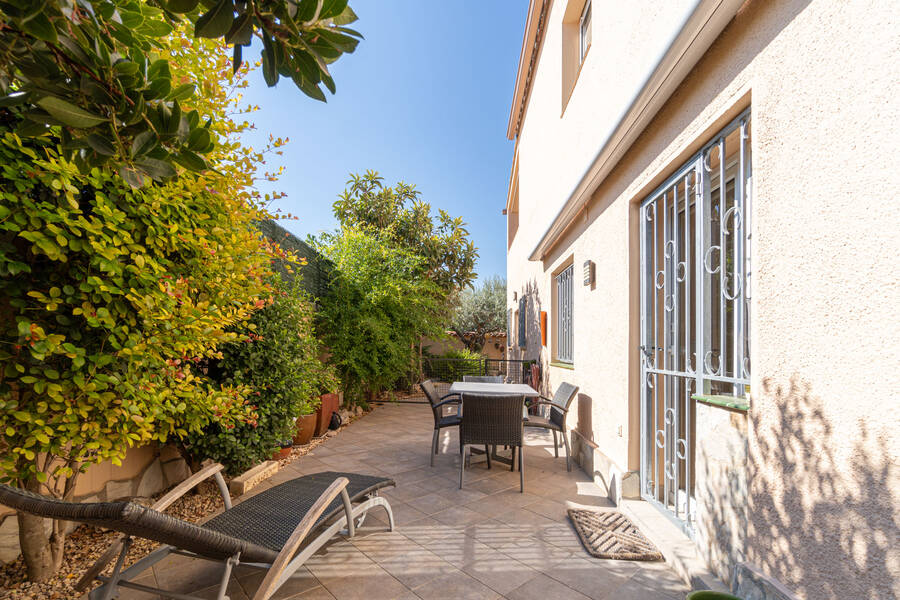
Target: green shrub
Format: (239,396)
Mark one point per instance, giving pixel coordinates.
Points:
(278,359)
(379,306)
(462,353)
(455,364)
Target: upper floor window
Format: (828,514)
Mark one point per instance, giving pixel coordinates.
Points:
(575,42)
(565,290)
(584,31)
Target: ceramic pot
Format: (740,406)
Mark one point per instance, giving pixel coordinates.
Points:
(306,427)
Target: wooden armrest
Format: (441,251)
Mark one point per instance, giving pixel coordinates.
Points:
(160,505)
(185,486)
(270,583)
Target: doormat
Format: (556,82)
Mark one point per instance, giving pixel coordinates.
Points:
(610,534)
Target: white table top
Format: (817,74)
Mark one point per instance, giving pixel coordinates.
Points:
(520,389)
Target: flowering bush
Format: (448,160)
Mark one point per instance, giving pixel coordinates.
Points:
(111,296)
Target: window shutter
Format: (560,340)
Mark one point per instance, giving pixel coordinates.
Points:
(522,305)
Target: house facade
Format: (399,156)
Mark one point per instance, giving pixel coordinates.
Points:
(702,235)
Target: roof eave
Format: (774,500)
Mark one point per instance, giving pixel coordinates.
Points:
(525,54)
(699,30)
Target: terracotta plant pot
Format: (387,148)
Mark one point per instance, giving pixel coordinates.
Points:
(282,453)
(306,427)
(330,403)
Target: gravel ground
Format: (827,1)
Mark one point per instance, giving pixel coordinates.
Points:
(86,544)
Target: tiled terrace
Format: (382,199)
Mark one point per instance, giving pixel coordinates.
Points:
(485,541)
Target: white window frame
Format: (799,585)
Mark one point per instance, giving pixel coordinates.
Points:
(583,44)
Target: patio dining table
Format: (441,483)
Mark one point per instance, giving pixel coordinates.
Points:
(499,389)
(503,389)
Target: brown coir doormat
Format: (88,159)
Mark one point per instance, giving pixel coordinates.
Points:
(610,534)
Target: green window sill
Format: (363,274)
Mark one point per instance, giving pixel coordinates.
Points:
(730,402)
(562,365)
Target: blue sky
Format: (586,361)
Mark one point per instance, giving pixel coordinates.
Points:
(424,99)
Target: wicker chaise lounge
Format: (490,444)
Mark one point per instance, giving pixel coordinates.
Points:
(266,531)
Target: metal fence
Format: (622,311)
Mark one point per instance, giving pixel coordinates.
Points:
(444,371)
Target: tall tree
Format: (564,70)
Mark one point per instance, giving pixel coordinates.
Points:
(399,214)
(481,310)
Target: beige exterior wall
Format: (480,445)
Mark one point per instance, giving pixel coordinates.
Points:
(806,486)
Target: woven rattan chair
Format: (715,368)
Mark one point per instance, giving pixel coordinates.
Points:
(266,531)
(441,420)
(483,378)
(555,420)
(493,420)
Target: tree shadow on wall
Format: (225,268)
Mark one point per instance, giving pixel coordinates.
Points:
(533,347)
(823,509)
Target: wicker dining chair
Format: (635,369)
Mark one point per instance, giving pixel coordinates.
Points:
(555,421)
(493,420)
(276,530)
(441,420)
(483,378)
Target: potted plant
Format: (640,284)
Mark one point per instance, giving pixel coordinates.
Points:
(306,427)
(710,595)
(284,449)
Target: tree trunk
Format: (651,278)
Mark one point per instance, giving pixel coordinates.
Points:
(43,552)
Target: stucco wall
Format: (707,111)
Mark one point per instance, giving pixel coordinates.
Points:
(822,487)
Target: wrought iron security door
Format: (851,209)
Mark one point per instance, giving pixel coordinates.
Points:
(695,275)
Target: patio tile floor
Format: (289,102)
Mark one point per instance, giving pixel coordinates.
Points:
(484,542)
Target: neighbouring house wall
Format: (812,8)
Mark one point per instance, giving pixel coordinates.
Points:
(145,471)
(805,488)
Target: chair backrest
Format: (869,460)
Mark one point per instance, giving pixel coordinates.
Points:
(483,378)
(133,519)
(492,420)
(433,399)
(563,397)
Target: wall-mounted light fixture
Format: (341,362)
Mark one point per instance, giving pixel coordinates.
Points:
(588,272)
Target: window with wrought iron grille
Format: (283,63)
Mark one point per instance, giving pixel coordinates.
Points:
(695,307)
(565,291)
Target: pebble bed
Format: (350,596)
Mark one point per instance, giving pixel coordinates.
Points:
(85,544)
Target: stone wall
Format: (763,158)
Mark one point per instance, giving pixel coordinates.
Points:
(144,472)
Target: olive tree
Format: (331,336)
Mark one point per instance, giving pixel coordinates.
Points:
(480,311)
